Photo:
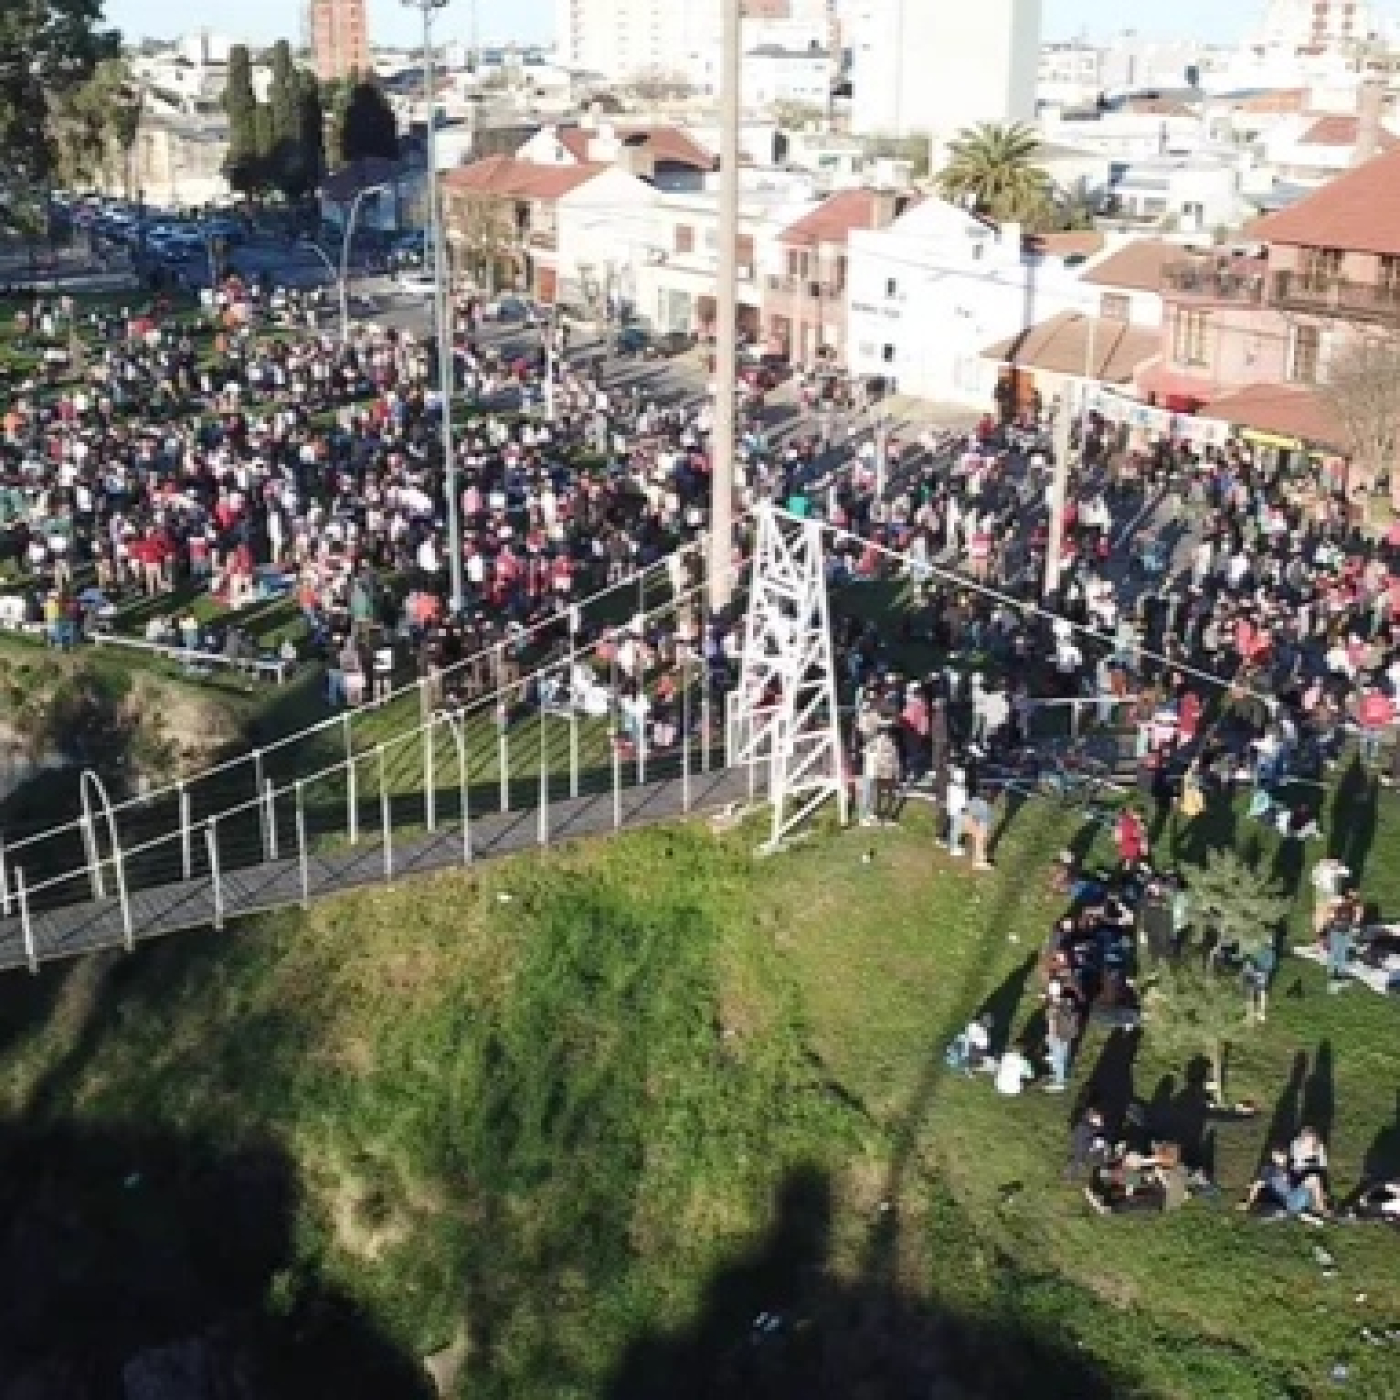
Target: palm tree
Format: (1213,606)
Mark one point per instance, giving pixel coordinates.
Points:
(993,170)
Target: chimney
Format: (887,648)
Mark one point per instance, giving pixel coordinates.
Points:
(1370,107)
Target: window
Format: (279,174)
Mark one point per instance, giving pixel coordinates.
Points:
(1321,267)
(891,287)
(887,354)
(1388,277)
(1306,355)
(685,238)
(1115,306)
(1191,338)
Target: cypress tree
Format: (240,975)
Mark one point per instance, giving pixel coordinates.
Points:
(241,106)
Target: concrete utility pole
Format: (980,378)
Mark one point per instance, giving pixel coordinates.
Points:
(442,304)
(1064,416)
(722,432)
(1055,545)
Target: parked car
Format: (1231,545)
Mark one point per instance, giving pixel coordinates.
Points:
(673,343)
(417,284)
(511,308)
(631,343)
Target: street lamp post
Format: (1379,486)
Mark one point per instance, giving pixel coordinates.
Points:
(345,256)
(726,317)
(441,308)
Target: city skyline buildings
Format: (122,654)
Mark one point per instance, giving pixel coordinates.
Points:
(535,21)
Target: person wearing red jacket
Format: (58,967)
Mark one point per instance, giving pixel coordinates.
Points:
(1375,713)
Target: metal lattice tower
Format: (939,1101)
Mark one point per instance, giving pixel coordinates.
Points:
(786,710)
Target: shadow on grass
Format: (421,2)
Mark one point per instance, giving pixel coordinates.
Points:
(147,1256)
(777,1325)
(1382,1161)
(1109,1085)
(156,1261)
(1284,1121)
(1352,828)
(1319,1104)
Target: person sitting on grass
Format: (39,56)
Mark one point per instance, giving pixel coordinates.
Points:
(1275,1192)
(971,1051)
(1089,1146)
(1153,1181)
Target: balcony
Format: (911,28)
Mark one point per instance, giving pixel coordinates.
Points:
(1335,296)
(807,287)
(1215,282)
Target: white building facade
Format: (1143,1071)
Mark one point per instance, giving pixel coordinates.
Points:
(927,295)
(924,67)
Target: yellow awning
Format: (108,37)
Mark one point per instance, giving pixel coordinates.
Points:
(1259,439)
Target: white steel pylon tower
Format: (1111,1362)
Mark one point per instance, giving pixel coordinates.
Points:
(787,711)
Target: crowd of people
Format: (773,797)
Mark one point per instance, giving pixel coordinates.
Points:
(1221,612)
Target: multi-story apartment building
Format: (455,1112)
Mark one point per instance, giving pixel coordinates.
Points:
(629,39)
(931,68)
(339,38)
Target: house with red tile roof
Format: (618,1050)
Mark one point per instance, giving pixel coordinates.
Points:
(804,304)
(502,218)
(668,156)
(1312,146)
(1254,337)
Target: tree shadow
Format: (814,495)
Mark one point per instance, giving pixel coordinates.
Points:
(146,1254)
(778,1324)
(1319,1105)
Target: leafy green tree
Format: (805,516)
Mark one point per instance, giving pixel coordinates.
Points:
(1069,208)
(368,127)
(240,102)
(1235,904)
(47,51)
(994,169)
(95,124)
(913,149)
(1190,1008)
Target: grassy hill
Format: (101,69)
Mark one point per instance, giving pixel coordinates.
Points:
(578,1119)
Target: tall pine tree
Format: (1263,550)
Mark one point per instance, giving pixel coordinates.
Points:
(311,132)
(242,165)
(284,156)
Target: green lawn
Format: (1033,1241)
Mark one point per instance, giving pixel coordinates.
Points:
(593,1111)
